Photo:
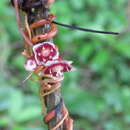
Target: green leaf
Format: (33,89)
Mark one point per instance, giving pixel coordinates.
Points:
(85,52)
(124,49)
(28,113)
(100,60)
(16,103)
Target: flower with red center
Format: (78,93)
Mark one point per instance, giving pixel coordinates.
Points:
(56,69)
(44,52)
(30,64)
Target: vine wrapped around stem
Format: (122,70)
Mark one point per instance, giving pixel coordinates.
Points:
(43,59)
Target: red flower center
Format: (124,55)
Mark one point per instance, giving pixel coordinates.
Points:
(46,52)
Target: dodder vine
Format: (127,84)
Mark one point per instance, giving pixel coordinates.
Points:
(43,57)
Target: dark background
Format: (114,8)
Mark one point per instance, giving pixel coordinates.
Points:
(97,94)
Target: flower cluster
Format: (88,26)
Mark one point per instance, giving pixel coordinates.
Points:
(47,54)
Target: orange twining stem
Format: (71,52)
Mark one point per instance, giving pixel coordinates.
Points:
(27,26)
(25,53)
(48,89)
(41,22)
(38,38)
(49,116)
(45,36)
(69,123)
(65,113)
(39,69)
(65,118)
(49,85)
(52,114)
(19,24)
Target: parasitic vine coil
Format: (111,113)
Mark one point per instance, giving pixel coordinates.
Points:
(43,57)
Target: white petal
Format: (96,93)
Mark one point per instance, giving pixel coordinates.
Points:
(30,65)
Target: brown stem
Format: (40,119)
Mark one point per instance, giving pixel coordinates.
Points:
(53,99)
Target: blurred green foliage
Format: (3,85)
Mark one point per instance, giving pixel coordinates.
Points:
(97,94)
